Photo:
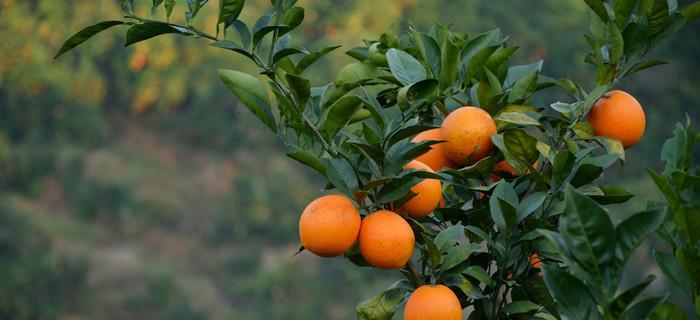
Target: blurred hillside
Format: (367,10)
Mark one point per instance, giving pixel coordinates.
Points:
(132,185)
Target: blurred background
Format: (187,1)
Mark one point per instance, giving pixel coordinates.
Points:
(134,186)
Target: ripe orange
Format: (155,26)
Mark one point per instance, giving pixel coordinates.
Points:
(386,240)
(428,194)
(329,225)
(619,115)
(435,158)
(468,132)
(504,166)
(430,302)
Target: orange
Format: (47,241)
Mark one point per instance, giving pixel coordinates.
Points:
(433,302)
(504,166)
(428,194)
(329,225)
(386,240)
(468,132)
(619,115)
(435,158)
(536,263)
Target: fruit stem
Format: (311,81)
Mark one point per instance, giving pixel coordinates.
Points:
(415,278)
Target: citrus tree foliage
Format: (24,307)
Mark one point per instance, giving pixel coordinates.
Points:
(356,131)
(680,184)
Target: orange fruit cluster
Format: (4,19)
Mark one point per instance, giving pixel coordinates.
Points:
(330,225)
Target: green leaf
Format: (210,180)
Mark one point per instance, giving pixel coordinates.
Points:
(300,87)
(518,72)
(676,151)
(668,311)
(381,307)
(520,306)
(657,16)
(499,56)
(523,88)
(85,34)
(230,45)
(530,204)
(478,273)
(456,255)
(405,67)
(449,61)
(312,57)
(503,202)
(429,49)
(292,19)
(633,230)
(341,175)
(448,237)
(169,6)
(521,149)
(692,11)
(588,233)
(612,194)
(339,114)
(623,10)
(154,7)
(620,303)
(243,32)
(397,189)
(612,146)
(147,30)
(250,91)
(229,11)
(309,159)
(599,9)
(518,118)
(673,270)
(573,298)
(643,308)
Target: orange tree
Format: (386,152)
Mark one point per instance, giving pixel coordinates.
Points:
(507,218)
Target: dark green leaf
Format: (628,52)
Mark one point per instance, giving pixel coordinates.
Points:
(341,175)
(300,87)
(623,10)
(251,92)
(312,57)
(612,194)
(149,30)
(405,67)
(624,299)
(503,202)
(521,306)
(669,265)
(243,32)
(588,233)
(573,298)
(599,9)
(339,114)
(523,88)
(457,255)
(657,16)
(632,231)
(230,45)
(292,19)
(642,309)
(85,34)
(521,149)
(447,238)
(397,189)
(229,11)
(169,6)
(309,159)
(518,72)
